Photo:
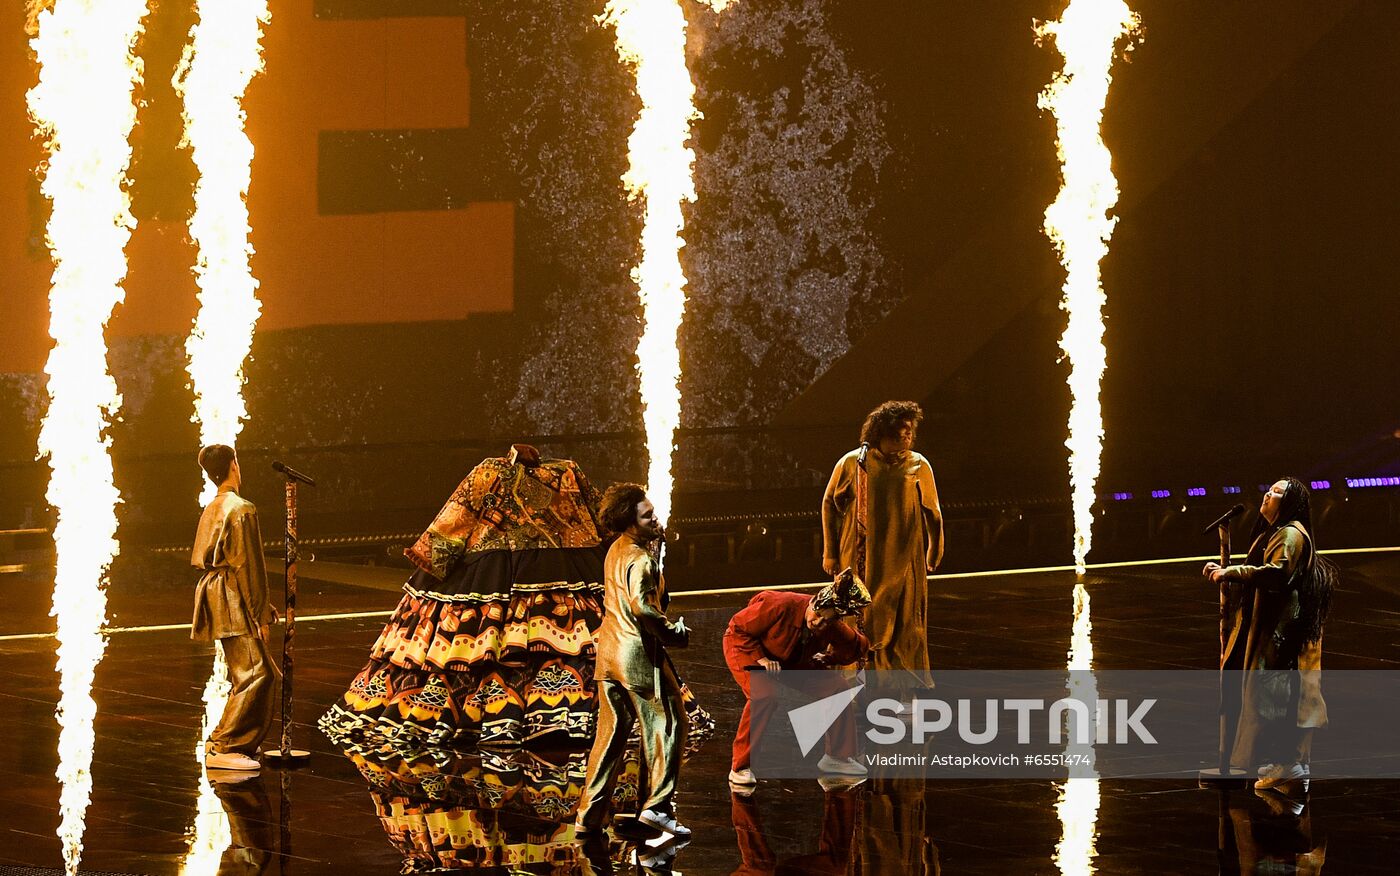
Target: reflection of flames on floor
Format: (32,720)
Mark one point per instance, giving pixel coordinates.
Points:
(512,809)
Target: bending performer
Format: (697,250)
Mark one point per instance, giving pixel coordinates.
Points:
(781,630)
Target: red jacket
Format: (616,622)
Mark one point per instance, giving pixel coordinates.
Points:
(773,624)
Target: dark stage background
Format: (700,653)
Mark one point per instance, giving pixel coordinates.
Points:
(871,179)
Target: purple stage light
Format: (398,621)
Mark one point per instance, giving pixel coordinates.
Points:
(1321,485)
(1232,491)
(1161,494)
(1196,491)
(1358,483)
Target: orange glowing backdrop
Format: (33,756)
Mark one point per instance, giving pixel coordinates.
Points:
(322,76)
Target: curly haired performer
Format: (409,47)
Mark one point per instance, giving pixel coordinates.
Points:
(636,682)
(881,518)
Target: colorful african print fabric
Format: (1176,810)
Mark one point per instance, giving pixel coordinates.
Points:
(514,812)
(511,505)
(493,640)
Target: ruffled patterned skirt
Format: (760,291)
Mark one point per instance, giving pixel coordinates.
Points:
(500,652)
(509,812)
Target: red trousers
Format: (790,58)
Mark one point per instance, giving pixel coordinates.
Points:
(833,857)
(840,739)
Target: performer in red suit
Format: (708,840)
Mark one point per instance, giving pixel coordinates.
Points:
(780,630)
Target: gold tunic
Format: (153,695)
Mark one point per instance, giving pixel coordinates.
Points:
(231,598)
(904,529)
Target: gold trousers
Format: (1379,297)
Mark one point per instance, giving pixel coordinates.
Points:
(663,728)
(253,699)
(252,837)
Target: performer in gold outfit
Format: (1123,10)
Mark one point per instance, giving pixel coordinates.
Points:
(636,682)
(231,605)
(880,517)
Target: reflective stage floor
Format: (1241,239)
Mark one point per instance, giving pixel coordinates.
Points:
(505,812)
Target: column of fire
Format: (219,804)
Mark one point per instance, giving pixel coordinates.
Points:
(82,107)
(651,38)
(1079,224)
(220,59)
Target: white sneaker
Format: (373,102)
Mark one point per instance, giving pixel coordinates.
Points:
(1282,775)
(744,776)
(657,858)
(231,760)
(842,766)
(229,777)
(662,821)
(1280,803)
(840,783)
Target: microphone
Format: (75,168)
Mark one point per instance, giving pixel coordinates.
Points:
(864,449)
(1224,519)
(293,474)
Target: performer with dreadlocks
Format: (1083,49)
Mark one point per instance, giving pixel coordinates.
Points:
(881,518)
(780,630)
(1279,602)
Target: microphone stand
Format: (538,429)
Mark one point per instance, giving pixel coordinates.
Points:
(1223,776)
(286,755)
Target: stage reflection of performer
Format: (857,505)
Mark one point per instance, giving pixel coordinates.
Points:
(1279,839)
(880,517)
(833,855)
(892,834)
(1279,602)
(636,681)
(231,605)
(252,845)
(780,630)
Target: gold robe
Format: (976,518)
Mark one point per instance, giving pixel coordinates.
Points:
(231,598)
(904,529)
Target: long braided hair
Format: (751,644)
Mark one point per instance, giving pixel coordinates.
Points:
(1315,587)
